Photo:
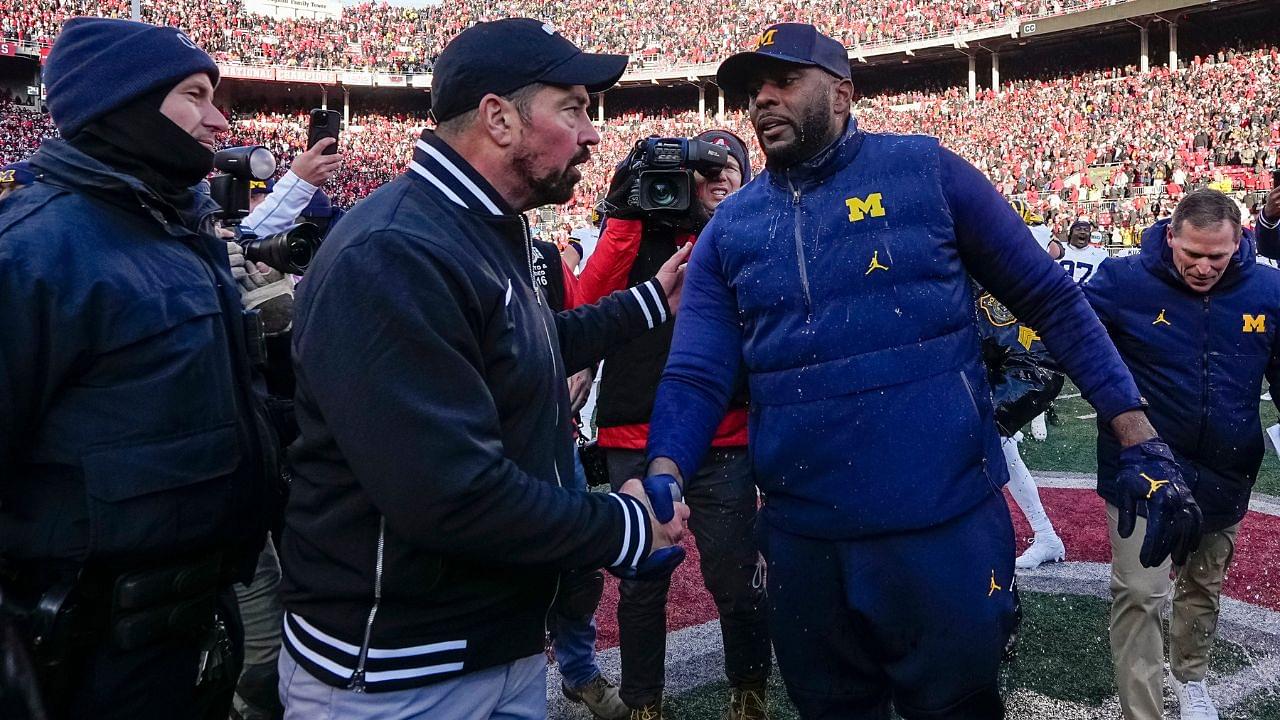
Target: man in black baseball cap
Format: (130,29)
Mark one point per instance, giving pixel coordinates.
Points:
(429,515)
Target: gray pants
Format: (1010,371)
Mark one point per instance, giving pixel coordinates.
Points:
(515,691)
(261,613)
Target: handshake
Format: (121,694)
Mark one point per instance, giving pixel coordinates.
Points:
(668,520)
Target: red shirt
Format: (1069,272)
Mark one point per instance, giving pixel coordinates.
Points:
(607,272)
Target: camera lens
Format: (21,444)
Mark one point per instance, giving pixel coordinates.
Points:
(663,193)
(289,252)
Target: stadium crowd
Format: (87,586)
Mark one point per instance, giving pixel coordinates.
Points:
(1090,141)
(1069,145)
(389,38)
(376,146)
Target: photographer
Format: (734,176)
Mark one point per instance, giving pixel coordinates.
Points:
(277,209)
(137,454)
(722,497)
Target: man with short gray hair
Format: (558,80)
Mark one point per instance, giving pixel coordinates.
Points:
(1194,318)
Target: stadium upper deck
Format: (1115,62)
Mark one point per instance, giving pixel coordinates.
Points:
(375,37)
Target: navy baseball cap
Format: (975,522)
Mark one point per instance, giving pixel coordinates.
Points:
(502,56)
(796,43)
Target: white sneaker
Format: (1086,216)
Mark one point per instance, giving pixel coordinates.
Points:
(1193,700)
(1043,550)
(1039,428)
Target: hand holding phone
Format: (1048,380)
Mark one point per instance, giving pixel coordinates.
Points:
(324,123)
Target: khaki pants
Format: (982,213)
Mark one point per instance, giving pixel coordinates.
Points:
(1138,596)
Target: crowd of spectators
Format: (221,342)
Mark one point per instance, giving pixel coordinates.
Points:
(398,39)
(375,146)
(1113,142)
(1114,146)
(21,130)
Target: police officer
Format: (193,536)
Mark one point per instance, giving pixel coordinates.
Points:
(890,548)
(136,454)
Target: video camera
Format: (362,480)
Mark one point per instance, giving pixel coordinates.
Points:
(666,171)
(290,251)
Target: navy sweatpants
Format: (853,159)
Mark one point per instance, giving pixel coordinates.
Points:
(916,619)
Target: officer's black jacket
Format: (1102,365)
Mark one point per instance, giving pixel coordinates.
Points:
(131,430)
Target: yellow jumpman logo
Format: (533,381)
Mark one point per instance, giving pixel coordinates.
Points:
(1155,484)
(875,263)
(994,586)
(1160,319)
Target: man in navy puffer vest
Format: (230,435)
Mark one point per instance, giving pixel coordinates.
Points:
(840,281)
(1194,317)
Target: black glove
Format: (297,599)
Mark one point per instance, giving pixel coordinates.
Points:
(1149,475)
(623,199)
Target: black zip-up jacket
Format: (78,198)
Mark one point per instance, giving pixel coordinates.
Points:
(426,524)
(1199,359)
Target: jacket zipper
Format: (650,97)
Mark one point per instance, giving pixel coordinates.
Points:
(1204,378)
(800,260)
(555,464)
(533,282)
(357,683)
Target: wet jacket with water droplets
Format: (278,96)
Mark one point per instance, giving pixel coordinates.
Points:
(1199,359)
(842,284)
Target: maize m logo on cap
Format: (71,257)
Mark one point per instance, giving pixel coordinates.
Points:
(766,38)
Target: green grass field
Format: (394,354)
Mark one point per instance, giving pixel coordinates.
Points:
(1063,650)
(1063,654)
(1071,445)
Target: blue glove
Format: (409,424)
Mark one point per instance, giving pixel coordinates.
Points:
(664,492)
(1149,475)
(658,566)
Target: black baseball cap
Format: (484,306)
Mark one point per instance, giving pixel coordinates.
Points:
(502,56)
(796,43)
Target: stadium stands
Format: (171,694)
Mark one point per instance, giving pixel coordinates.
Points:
(1111,145)
(1071,145)
(377,36)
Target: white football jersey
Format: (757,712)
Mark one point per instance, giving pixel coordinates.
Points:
(1082,264)
(1042,234)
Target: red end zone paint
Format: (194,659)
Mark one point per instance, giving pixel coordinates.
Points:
(1078,515)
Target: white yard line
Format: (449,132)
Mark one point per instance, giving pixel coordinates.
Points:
(695,654)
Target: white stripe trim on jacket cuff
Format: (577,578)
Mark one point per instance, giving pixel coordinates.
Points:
(635,531)
(650,296)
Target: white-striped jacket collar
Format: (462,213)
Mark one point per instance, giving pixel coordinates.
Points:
(444,169)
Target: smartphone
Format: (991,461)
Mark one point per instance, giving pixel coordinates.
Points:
(324,123)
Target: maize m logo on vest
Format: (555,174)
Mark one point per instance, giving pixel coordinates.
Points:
(872,206)
(1255,323)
